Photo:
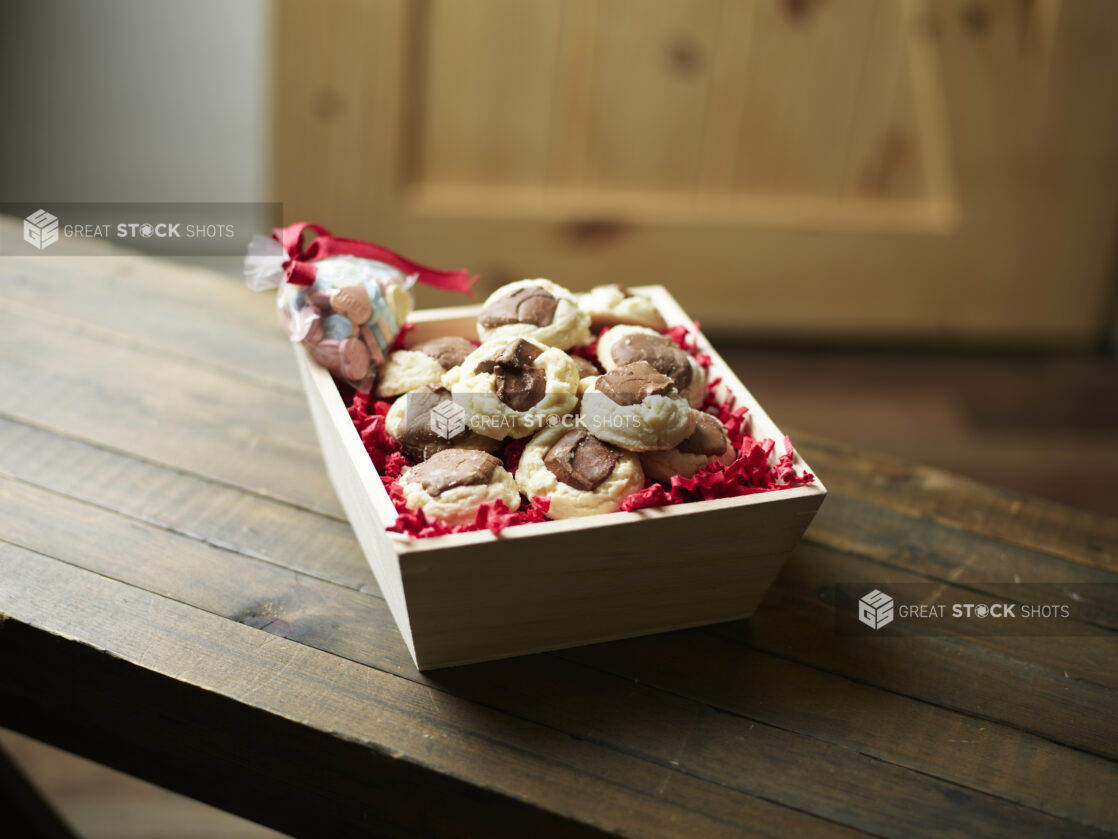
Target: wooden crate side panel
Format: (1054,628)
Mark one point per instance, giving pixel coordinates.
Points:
(513,596)
(359,493)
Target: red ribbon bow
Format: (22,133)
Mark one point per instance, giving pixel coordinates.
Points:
(300,270)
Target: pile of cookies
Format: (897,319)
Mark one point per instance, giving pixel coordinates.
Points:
(597,427)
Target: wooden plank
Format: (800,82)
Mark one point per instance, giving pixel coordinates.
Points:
(219,515)
(200,420)
(87,414)
(960,502)
(403,747)
(573,97)
(651,74)
(490,75)
(180,389)
(799,95)
(768,759)
(941,552)
(969,676)
(270,770)
(360,629)
(887,149)
(997,759)
(157,306)
(1086,655)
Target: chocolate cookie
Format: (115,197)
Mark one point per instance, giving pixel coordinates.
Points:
(536,309)
(451,485)
(428,420)
(637,408)
(613,305)
(423,364)
(510,387)
(580,474)
(706,444)
(626,344)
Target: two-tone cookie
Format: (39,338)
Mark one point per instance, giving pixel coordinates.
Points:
(428,420)
(423,364)
(625,344)
(612,305)
(451,485)
(637,408)
(538,309)
(580,474)
(585,366)
(510,387)
(706,444)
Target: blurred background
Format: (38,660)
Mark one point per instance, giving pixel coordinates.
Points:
(897,218)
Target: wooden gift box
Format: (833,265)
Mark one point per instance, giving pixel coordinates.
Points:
(472,597)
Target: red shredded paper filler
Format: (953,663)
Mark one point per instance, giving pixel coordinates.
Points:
(751,472)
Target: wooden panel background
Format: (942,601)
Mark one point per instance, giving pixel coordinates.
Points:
(851,168)
(693,111)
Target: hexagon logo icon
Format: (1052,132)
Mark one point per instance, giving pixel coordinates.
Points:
(448,419)
(40,229)
(875,610)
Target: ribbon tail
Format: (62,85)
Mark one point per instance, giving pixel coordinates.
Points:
(459,280)
(300,267)
(325,246)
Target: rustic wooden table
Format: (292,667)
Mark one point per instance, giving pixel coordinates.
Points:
(182,599)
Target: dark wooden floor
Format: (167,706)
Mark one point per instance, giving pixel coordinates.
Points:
(1042,425)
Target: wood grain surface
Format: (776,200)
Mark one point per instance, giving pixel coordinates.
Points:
(937,172)
(180,598)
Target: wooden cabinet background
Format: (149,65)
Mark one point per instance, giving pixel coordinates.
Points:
(915,169)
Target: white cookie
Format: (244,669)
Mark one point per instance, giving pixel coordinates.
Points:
(625,344)
(706,444)
(535,478)
(421,438)
(538,309)
(636,408)
(509,387)
(611,305)
(451,485)
(423,364)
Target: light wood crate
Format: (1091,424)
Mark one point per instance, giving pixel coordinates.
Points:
(472,597)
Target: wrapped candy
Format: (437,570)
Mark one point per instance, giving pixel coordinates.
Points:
(344,299)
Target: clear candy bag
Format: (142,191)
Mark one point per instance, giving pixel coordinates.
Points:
(344,299)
